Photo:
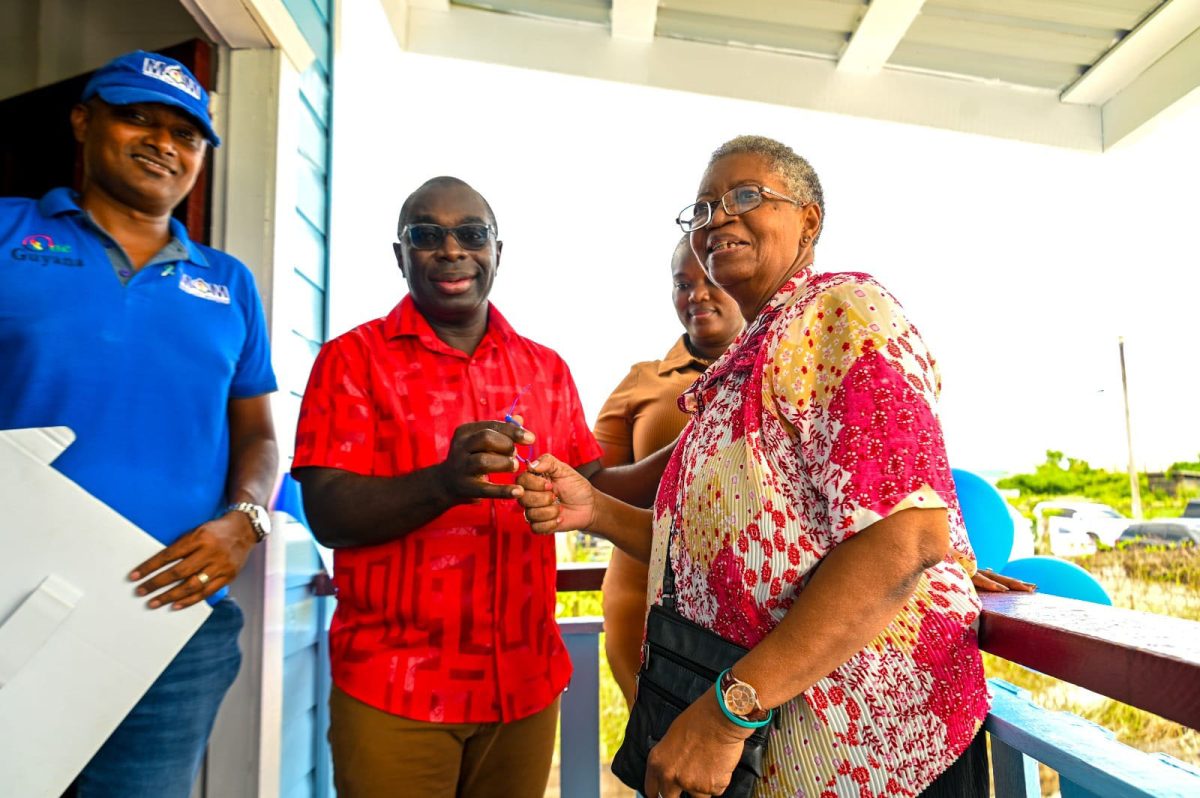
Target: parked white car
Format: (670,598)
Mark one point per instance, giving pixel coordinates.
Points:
(1067,540)
(1023,535)
(1078,526)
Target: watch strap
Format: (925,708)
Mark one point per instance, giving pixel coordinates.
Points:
(251,511)
(755,719)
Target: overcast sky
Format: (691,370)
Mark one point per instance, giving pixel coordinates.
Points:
(1020,264)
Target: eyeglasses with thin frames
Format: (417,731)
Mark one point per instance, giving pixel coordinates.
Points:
(735,202)
(427,236)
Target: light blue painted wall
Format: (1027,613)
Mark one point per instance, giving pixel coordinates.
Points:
(305,768)
(308,274)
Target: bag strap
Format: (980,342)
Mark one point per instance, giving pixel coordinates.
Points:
(751,413)
(668,585)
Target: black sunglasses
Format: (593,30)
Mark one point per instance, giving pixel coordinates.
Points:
(431,236)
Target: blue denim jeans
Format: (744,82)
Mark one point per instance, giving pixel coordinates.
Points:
(157,749)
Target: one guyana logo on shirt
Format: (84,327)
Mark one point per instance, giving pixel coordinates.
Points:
(41,249)
(40,242)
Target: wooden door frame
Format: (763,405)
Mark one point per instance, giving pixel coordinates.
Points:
(253,191)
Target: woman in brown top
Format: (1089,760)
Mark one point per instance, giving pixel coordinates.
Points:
(641,417)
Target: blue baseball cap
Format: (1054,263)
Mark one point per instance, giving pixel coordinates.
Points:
(141,77)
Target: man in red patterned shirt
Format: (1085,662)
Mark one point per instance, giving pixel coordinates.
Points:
(447,661)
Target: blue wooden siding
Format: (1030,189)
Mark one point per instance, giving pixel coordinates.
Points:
(306,313)
(305,769)
(310,246)
(313,17)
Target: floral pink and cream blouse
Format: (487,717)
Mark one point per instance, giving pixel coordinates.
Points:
(819,421)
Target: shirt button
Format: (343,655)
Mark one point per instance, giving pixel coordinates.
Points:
(483,401)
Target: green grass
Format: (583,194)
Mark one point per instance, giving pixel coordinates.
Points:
(1172,574)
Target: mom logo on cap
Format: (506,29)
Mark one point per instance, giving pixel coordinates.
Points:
(141,77)
(173,74)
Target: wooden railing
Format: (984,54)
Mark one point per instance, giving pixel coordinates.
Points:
(1148,661)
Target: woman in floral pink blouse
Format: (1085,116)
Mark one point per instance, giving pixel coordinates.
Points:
(812,516)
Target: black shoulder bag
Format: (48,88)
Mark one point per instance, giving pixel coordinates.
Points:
(681,662)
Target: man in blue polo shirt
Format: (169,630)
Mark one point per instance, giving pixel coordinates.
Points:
(153,349)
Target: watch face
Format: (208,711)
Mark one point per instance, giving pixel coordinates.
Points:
(263,518)
(740,698)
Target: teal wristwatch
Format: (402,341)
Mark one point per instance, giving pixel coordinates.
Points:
(739,702)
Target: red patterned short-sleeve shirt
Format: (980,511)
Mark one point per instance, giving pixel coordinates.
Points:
(452,622)
(817,422)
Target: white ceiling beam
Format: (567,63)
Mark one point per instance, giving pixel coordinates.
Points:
(822,15)
(227,22)
(714,70)
(1158,34)
(881,29)
(634,20)
(398,11)
(253,24)
(1168,80)
(235,29)
(279,26)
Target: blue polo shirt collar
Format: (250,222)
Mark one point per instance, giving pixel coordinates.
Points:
(65,202)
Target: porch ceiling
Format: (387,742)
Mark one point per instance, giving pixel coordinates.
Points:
(1075,73)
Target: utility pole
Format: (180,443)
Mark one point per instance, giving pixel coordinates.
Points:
(1135,490)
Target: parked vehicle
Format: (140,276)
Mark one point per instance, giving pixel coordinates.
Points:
(1192,510)
(1075,526)
(1023,535)
(1162,532)
(1067,540)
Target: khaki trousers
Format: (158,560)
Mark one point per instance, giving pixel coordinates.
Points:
(380,755)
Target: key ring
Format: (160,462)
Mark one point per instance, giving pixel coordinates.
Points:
(509,418)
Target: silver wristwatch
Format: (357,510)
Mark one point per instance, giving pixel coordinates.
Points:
(260,519)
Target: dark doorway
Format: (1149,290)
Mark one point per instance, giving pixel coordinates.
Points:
(38,151)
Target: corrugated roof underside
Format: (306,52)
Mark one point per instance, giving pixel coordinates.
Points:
(1044,44)
(808,27)
(589,11)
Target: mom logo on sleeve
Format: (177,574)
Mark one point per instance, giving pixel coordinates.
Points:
(204,289)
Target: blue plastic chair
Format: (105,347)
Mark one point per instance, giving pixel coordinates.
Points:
(989,524)
(1057,577)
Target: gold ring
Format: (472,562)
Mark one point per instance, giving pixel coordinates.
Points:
(202,578)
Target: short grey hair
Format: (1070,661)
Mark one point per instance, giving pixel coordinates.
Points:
(799,178)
